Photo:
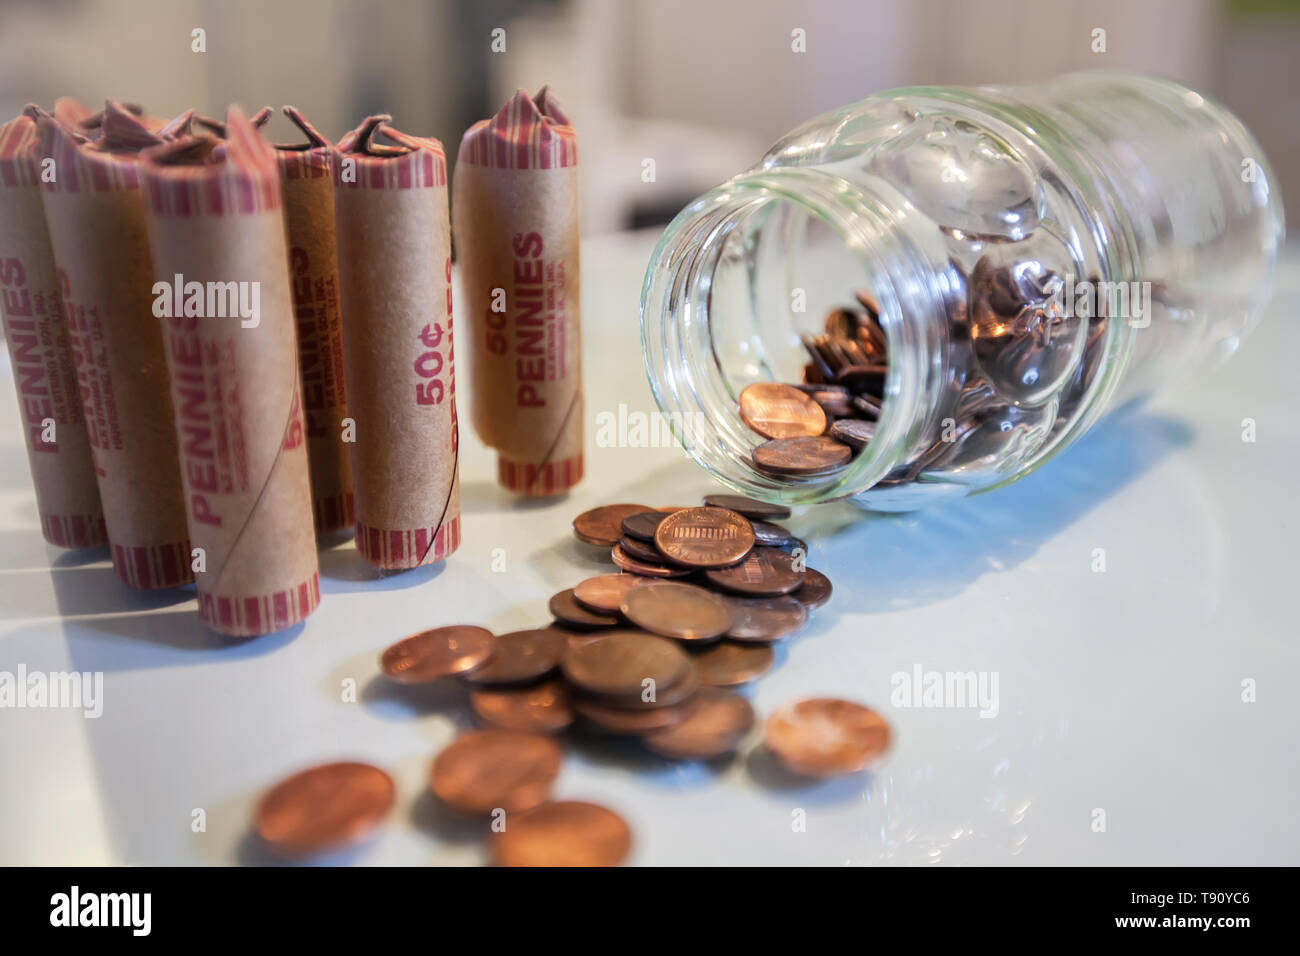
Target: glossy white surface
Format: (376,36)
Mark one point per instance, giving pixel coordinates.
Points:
(1120,691)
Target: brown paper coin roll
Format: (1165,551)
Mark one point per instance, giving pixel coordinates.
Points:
(516,216)
(45,374)
(394,254)
(95,212)
(222,296)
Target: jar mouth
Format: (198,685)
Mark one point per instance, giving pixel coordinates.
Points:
(720,309)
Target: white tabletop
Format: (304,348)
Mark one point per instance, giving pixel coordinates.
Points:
(1119,691)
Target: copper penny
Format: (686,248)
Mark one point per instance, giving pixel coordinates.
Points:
(640,551)
(486,769)
(648,698)
(628,720)
(566,609)
(642,526)
(771,535)
(714,724)
(824,737)
(324,808)
(766,572)
(759,510)
(563,833)
(727,663)
(616,664)
(604,593)
(815,590)
(648,569)
(604,525)
(812,456)
(780,411)
(704,537)
(544,709)
(765,619)
(681,611)
(520,657)
(854,432)
(440,652)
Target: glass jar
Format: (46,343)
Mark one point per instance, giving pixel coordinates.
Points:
(1030,257)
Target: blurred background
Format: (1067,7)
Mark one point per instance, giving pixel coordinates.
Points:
(700,86)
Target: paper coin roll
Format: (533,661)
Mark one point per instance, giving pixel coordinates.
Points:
(223,297)
(394,253)
(44,366)
(95,212)
(516,227)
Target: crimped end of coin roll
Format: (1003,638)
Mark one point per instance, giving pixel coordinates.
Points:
(260,614)
(396,549)
(547,478)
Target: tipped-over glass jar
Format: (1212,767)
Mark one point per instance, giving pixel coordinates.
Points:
(975,275)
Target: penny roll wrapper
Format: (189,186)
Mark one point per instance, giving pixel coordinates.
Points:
(95,212)
(394,254)
(222,268)
(44,366)
(516,227)
(308,191)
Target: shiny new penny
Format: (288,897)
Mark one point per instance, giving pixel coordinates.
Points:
(565,608)
(780,411)
(604,525)
(544,709)
(766,572)
(324,808)
(486,769)
(642,526)
(681,611)
(854,432)
(714,724)
(562,833)
(811,456)
(727,663)
(704,537)
(520,657)
(759,510)
(763,620)
(604,593)
(648,569)
(815,590)
(824,737)
(441,652)
(640,550)
(615,664)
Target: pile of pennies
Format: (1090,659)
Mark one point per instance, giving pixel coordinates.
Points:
(651,652)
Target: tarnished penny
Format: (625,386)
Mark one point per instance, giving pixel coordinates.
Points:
(766,572)
(604,593)
(811,456)
(520,657)
(714,724)
(604,525)
(771,535)
(565,608)
(486,769)
(441,652)
(766,619)
(616,663)
(544,709)
(324,808)
(854,432)
(780,411)
(642,526)
(647,569)
(756,510)
(726,663)
(704,537)
(815,590)
(563,833)
(681,611)
(824,736)
(639,550)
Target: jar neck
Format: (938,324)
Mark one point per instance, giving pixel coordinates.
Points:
(725,301)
